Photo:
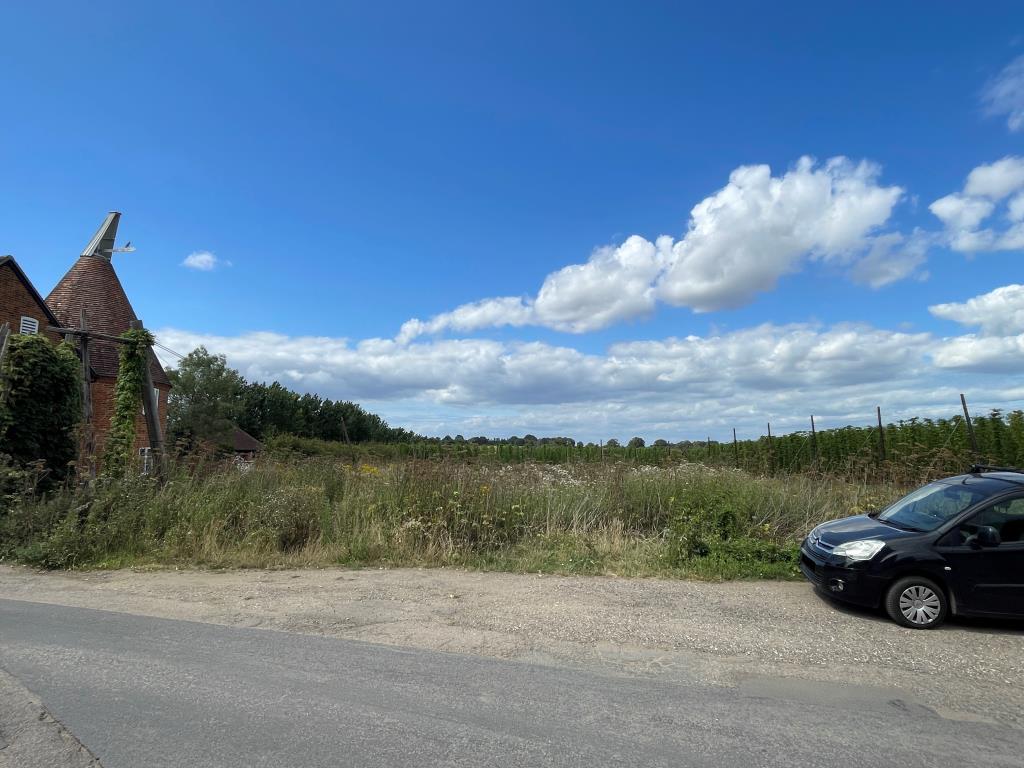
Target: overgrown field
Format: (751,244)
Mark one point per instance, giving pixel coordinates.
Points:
(594,518)
(905,451)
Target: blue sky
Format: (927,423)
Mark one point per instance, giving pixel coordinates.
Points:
(351,169)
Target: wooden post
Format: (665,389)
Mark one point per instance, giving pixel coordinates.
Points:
(814,443)
(709,449)
(88,457)
(5,335)
(970,427)
(771,459)
(344,431)
(735,448)
(151,407)
(881,434)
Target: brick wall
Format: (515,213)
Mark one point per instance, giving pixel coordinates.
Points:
(103,412)
(16,300)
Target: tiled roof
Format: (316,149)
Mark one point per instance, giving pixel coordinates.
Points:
(92,284)
(245,442)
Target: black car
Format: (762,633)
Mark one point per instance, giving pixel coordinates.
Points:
(953,546)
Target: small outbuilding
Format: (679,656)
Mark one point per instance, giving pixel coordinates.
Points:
(246,446)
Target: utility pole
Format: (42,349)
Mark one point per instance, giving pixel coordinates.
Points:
(881,434)
(814,443)
(151,407)
(735,448)
(771,459)
(88,434)
(970,427)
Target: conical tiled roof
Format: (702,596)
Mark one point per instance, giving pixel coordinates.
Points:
(93,285)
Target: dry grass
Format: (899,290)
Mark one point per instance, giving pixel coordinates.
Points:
(577,518)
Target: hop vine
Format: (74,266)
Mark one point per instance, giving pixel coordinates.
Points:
(131,375)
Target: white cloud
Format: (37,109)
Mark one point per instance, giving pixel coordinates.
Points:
(996,313)
(996,180)
(984,354)
(675,387)
(1005,94)
(743,238)
(203,261)
(892,257)
(739,242)
(963,213)
(479,371)
(1015,208)
(489,313)
(616,284)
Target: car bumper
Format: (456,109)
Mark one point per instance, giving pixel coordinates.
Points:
(851,585)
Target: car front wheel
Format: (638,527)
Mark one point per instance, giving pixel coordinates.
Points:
(916,602)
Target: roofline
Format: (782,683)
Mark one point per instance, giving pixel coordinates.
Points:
(32,289)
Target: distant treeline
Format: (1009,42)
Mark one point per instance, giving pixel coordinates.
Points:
(208,398)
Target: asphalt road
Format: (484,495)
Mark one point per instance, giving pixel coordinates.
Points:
(140,691)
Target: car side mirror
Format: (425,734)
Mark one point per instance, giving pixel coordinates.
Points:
(987,536)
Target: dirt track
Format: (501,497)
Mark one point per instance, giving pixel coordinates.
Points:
(740,633)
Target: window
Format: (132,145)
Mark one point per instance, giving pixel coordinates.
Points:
(929,507)
(29,325)
(1007,517)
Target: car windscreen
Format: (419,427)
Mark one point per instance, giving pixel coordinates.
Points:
(929,507)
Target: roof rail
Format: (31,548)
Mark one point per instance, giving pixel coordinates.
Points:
(978,468)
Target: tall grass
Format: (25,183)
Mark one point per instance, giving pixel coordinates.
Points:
(617,517)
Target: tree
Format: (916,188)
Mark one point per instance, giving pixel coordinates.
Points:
(209,397)
(636,442)
(661,443)
(206,398)
(612,443)
(40,403)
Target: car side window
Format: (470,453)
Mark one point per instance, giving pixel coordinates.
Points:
(1007,517)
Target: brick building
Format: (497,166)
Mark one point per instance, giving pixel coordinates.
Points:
(21,306)
(92,286)
(91,289)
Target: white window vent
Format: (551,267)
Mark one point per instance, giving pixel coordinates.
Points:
(29,325)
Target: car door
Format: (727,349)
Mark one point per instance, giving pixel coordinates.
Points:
(988,579)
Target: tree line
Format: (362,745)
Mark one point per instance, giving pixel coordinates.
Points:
(208,399)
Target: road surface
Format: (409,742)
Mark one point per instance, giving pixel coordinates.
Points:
(143,691)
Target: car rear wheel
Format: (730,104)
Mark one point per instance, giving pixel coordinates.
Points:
(916,602)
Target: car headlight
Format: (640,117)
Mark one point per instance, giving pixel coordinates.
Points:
(862,549)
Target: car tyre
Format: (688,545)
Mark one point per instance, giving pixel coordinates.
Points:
(917,602)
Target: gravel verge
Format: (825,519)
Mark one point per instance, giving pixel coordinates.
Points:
(779,637)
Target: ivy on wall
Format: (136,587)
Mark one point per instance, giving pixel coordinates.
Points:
(131,374)
(40,403)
